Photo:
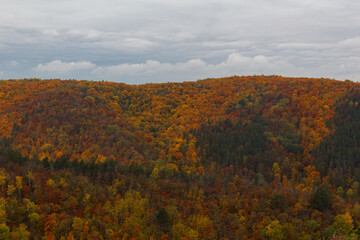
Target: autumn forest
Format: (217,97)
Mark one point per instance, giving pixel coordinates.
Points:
(256,157)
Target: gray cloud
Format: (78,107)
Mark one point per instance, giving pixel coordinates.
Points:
(140,41)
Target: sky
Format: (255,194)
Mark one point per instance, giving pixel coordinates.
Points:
(143,41)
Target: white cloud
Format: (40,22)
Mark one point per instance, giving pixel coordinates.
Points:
(350,42)
(235,64)
(149,67)
(57,66)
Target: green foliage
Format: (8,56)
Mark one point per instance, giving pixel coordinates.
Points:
(242,143)
(162,217)
(321,200)
(4,231)
(341,149)
(290,142)
(279,201)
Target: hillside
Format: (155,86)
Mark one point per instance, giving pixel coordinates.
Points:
(261,157)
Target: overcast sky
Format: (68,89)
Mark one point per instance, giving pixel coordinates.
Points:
(178,40)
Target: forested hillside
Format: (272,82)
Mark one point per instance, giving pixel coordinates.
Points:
(258,157)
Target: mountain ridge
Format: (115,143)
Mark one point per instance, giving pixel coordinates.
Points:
(256,157)
(129,108)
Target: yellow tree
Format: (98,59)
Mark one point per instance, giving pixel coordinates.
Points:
(273,230)
(3,177)
(30,177)
(11,189)
(19,184)
(4,231)
(343,223)
(20,233)
(2,211)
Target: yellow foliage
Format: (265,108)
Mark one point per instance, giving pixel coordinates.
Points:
(18,181)
(51,183)
(11,190)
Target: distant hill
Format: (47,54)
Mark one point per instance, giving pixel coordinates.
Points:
(257,157)
(243,121)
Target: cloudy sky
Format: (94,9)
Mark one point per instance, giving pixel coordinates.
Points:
(141,41)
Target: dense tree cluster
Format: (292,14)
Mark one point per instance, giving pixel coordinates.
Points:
(258,157)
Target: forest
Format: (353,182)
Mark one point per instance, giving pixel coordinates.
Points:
(253,157)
